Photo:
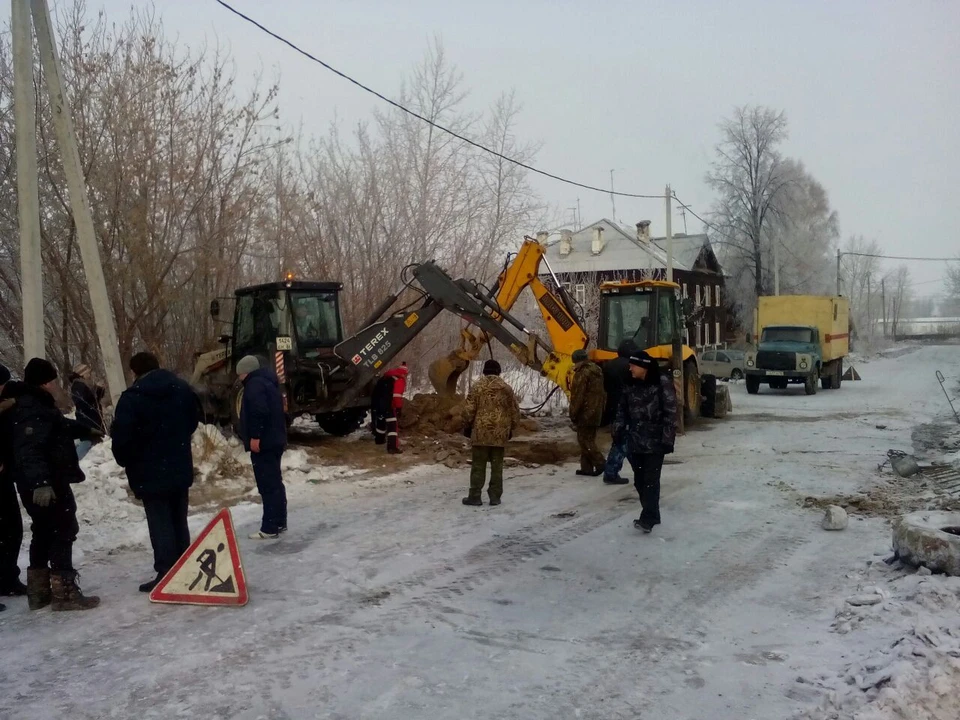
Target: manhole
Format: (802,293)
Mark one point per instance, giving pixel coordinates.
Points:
(954,530)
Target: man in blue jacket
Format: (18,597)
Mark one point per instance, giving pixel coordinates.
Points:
(154,422)
(263,429)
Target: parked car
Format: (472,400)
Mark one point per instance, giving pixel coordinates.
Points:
(722,363)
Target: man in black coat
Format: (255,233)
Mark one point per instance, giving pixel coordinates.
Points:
(44,465)
(11,524)
(152,427)
(263,429)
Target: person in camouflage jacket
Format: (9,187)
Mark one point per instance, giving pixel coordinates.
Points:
(647,422)
(491,415)
(587,400)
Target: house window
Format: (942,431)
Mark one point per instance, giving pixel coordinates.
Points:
(699,297)
(716,331)
(685,295)
(699,337)
(717,295)
(580,294)
(706,300)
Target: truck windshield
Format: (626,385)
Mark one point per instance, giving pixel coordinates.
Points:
(787,334)
(316,319)
(628,317)
(258,322)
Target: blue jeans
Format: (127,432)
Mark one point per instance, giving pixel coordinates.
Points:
(83,447)
(266,469)
(615,459)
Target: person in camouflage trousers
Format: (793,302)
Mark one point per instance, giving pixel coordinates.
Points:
(587,400)
(491,415)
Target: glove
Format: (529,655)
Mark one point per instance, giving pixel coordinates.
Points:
(96,437)
(43,496)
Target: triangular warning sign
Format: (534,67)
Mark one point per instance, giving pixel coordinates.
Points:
(209,572)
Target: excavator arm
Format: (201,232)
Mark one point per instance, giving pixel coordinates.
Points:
(556,307)
(368,352)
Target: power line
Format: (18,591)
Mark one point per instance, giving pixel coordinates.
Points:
(413,113)
(899,257)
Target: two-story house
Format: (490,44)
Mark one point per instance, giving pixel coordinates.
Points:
(606,251)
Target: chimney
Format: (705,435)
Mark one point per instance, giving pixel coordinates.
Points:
(566,243)
(643,231)
(597,246)
(542,237)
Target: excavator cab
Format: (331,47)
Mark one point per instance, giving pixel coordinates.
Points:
(649,312)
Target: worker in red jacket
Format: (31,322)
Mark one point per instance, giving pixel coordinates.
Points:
(399,377)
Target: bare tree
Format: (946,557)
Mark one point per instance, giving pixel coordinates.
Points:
(899,280)
(860,276)
(749,176)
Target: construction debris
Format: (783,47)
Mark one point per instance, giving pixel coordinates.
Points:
(835,518)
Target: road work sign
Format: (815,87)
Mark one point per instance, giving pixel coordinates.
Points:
(209,572)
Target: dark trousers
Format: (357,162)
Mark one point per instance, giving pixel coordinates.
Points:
(482,456)
(11,532)
(615,458)
(167,522)
(646,478)
(385,429)
(54,530)
(591,459)
(266,469)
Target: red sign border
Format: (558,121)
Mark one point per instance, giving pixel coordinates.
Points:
(158,596)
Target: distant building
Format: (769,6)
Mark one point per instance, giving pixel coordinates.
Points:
(606,251)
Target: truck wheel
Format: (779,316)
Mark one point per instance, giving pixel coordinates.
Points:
(753,384)
(691,392)
(236,400)
(736,374)
(810,384)
(342,422)
(826,382)
(708,389)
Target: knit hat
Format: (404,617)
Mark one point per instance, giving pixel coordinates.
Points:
(643,360)
(39,372)
(144,362)
(580,356)
(247,364)
(491,367)
(4,375)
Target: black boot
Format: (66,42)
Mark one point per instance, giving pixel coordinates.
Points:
(38,588)
(607,480)
(13,588)
(473,502)
(151,584)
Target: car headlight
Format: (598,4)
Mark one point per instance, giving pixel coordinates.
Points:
(749,362)
(804,364)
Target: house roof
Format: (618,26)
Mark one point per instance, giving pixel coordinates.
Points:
(687,250)
(621,251)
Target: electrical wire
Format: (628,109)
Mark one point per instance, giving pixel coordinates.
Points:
(418,116)
(541,406)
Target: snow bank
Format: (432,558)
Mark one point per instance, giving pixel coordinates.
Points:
(916,675)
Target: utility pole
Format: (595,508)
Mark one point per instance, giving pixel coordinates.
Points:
(676,353)
(883,300)
(776,267)
(838,272)
(28,199)
(579,216)
(79,202)
(613,201)
(869,320)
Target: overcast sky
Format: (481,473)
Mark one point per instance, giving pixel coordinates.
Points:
(871,90)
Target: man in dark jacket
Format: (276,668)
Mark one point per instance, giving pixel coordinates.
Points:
(44,466)
(383,414)
(616,373)
(11,524)
(587,399)
(154,422)
(647,421)
(263,429)
(87,398)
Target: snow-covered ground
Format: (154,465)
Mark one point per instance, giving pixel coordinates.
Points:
(388,598)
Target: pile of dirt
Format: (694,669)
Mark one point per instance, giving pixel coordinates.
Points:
(884,501)
(431,415)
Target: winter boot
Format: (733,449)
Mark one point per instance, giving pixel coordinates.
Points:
(150,584)
(13,588)
(643,525)
(67,594)
(472,501)
(615,480)
(38,588)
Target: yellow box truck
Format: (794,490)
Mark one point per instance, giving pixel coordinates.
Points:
(800,339)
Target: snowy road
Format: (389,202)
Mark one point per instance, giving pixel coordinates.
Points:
(388,598)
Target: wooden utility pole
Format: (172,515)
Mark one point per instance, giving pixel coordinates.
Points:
(676,353)
(883,301)
(28,199)
(79,202)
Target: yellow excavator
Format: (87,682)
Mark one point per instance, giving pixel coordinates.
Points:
(648,312)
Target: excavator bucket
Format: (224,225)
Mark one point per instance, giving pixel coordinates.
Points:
(445,373)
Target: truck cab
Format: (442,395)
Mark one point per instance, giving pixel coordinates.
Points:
(785,354)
